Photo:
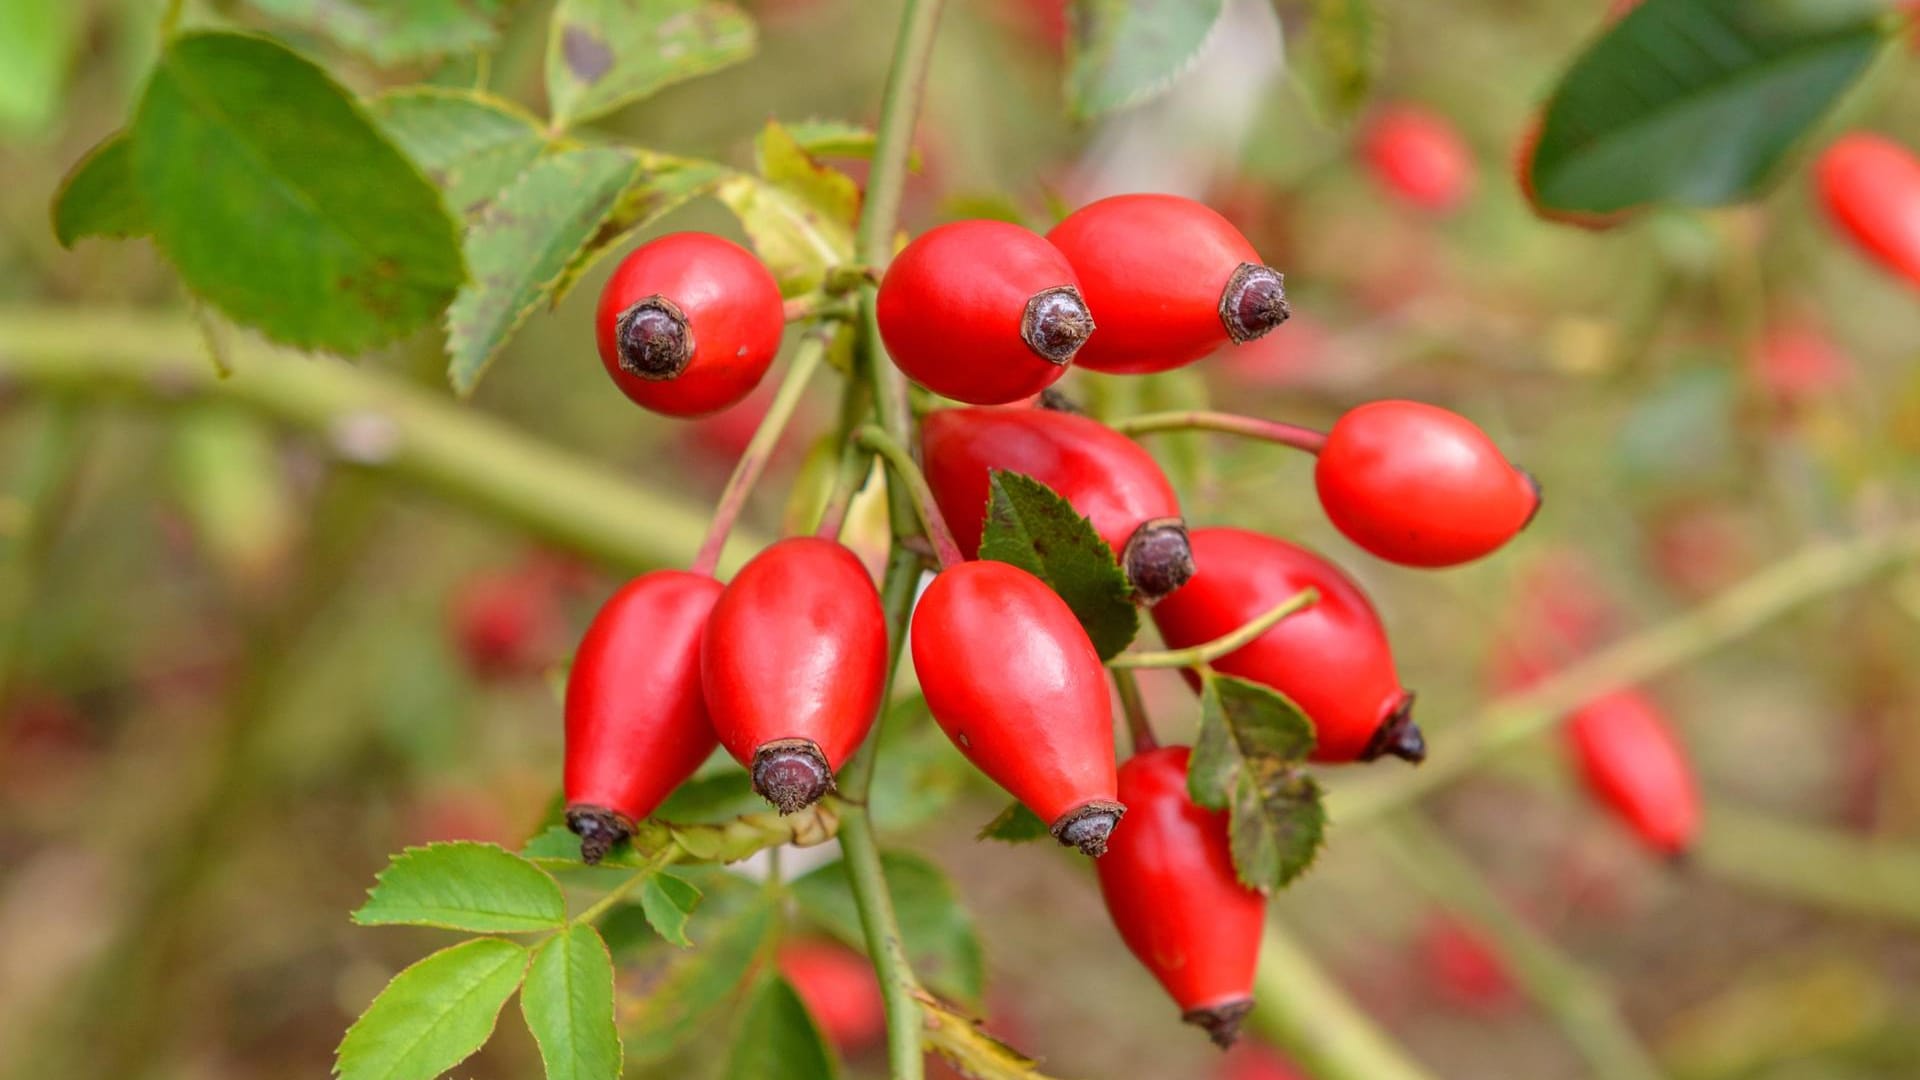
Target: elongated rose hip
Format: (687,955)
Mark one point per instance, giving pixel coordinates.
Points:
(1636,767)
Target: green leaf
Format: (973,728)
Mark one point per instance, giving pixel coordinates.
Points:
(519,247)
(37,47)
(938,932)
(1342,55)
(98,197)
(1248,760)
(664,184)
(716,796)
(834,138)
(471,144)
(962,1041)
(464,886)
(1031,527)
(777,1038)
(921,774)
(568,1005)
(391,33)
(1016,825)
(1697,101)
(433,1015)
(602,54)
(1124,53)
(698,981)
(277,198)
(799,213)
(668,901)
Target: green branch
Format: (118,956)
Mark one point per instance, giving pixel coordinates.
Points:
(1208,651)
(368,419)
(1299,1008)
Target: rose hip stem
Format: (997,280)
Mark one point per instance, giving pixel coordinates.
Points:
(1251,427)
(1208,651)
(1139,727)
(753,460)
(945,549)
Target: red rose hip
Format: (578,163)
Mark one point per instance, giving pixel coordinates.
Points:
(1636,767)
(984,312)
(1420,486)
(1105,475)
(636,721)
(1419,158)
(1169,883)
(793,665)
(688,324)
(1871,188)
(1011,678)
(1168,281)
(1332,659)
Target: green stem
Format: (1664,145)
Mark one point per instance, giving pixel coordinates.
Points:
(1209,651)
(1866,877)
(849,476)
(368,418)
(807,359)
(659,862)
(1299,1008)
(44,478)
(1509,721)
(1135,709)
(1583,1008)
(1252,427)
(915,482)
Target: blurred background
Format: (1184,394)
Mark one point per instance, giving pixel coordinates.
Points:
(241,664)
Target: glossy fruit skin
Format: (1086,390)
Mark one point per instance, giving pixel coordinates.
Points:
(1011,678)
(1636,767)
(1418,158)
(1332,659)
(1105,475)
(1169,884)
(637,722)
(1154,270)
(731,319)
(839,989)
(954,311)
(1871,188)
(796,648)
(1420,486)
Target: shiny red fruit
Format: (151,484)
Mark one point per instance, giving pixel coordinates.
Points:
(1332,659)
(636,721)
(1168,281)
(984,312)
(1011,678)
(1421,486)
(1633,763)
(1871,187)
(838,987)
(1169,883)
(794,664)
(1105,475)
(689,323)
(1419,158)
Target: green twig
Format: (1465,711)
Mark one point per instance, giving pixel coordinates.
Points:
(1833,870)
(1252,427)
(660,861)
(1298,1007)
(1135,710)
(1583,1008)
(907,472)
(1207,652)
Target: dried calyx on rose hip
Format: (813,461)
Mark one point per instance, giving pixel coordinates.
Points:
(793,666)
(1102,473)
(1168,281)
(688,324)
(983,312)
(1010,676)
(1421,486)
(1169,883)
(636,720)
(1332,659)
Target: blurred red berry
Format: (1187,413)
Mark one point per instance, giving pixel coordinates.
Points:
(456,813)
(1251,1061)
(1699,549)
(1419,158)
(507,622)
(1276,361)
(1463,967)
(1797,362)
(839,989)
(1870,186)
(1637,768)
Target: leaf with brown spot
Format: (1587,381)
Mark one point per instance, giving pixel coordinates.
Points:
(603,54)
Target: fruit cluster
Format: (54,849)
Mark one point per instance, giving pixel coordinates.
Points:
(786,665)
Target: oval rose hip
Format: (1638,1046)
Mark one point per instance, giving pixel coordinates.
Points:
(1420,486)
(1332,659)
(1105,475)
(1419,158)
(1011,678)
(1871,187)
(793,665)
(688,324)
(1636,767)
(636,721)
(1168,281)
(984,312)
(1169,883)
